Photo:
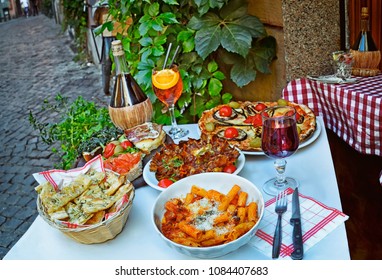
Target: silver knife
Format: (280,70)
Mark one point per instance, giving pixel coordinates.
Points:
(298,251)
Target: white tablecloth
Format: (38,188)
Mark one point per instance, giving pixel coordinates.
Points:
(311,165)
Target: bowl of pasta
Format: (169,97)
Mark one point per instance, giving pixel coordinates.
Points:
(208,215)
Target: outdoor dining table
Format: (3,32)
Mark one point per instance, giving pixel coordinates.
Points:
(353,111)
(312,165)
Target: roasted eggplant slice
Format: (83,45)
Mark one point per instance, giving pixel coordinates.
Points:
(220,118)
(242,135)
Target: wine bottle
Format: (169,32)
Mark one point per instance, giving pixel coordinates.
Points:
(126,90)
(364,42)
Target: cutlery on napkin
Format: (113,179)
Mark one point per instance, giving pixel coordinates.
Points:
(295,221)
(317,220)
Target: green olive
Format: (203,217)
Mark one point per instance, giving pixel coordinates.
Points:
(298,130)
(255,142)
(210,126)
(118,149)
(282,102)
(234,104)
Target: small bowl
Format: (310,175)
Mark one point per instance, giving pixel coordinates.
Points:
(222,182)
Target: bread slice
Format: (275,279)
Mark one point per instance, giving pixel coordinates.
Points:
(135,172)
(149,144)
(90,155)
(146,137)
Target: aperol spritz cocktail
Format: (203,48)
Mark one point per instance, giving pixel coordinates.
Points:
(168,87)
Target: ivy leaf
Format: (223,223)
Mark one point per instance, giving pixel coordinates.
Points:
(146,41)
(188,46)
(157,24)
(243,72)
(184,99)
(215,87)
(236,39)
(200,2)
(157,51)
(186,38)
(207,40)
(144,28)
(171,2)
(146,53)
(212,66)
(189,59)
(212,103)
(198,83)
(253,25)
(168,18)
(199,106)
(219,75)
(153,9)
(184,35)
(203,6)
(263,52)
(208,20)
(159,40)
(143,76)
(216,3)
(234,9)
(226,97)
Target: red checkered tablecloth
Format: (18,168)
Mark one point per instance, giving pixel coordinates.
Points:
(352,111)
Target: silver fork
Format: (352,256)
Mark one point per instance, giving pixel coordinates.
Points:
(280,209)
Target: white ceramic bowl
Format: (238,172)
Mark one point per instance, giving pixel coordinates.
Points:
(222,182)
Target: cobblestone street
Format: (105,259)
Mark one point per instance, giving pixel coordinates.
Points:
(36,63)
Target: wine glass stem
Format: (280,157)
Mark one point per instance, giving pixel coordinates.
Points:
(174,125)
(280,165)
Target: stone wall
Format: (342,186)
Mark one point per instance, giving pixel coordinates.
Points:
(311,33)
(306,31)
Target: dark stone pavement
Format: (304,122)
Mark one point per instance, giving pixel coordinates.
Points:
(36,63)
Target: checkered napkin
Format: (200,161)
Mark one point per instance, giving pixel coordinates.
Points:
(60,178)
(317,221)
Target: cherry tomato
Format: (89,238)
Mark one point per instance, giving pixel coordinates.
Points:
(165,183)
(231,132)
(255,120)
(126,144)
(109,150)
(225,111)
(230,168)
(260,107)
(299,118)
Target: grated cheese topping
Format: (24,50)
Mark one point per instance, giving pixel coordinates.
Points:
(204,212)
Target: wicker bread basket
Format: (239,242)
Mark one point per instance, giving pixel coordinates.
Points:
(127,117)
(366,64)
(97,233)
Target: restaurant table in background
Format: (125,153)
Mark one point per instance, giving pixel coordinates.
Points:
(352,111)
(139,240)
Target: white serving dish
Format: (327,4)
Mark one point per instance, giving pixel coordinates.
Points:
(222,182)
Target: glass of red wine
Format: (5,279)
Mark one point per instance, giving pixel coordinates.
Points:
(279,140)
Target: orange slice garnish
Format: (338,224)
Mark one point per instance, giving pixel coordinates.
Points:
(165,78)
